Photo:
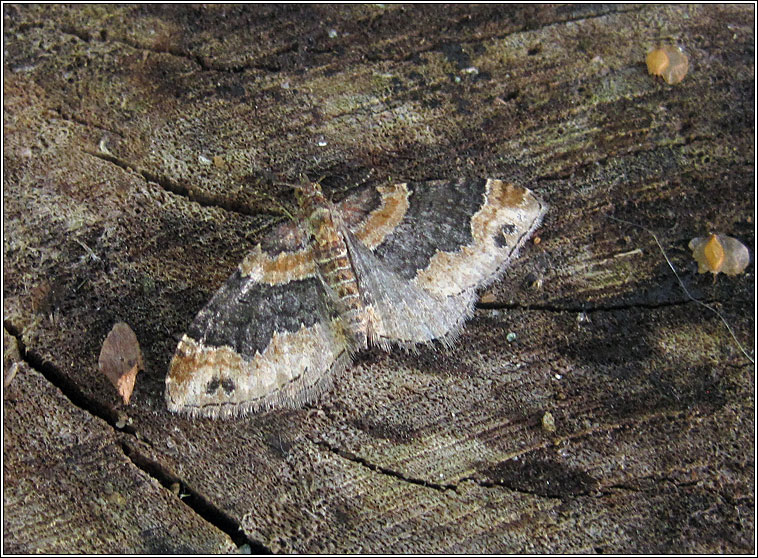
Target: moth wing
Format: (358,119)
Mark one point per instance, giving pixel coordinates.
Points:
(399,311)
(451,237)
(266,339)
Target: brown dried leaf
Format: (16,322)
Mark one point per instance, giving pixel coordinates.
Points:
(120,359)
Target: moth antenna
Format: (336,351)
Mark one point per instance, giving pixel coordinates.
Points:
(366,176)
(282,208)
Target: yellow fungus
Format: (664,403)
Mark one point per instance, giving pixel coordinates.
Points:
(719,253)
(669,62)
(714,252)
(657,61)
(548,422)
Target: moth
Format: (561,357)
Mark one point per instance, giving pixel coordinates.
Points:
(396,265)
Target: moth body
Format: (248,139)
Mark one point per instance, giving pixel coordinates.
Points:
(333,263)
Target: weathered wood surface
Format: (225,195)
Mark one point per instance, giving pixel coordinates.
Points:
(141,143)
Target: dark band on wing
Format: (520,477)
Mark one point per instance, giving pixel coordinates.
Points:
(245,314)
(438,219)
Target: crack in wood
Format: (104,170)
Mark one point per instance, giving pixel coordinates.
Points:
(198,503)
(183,191)
(294,45)
(591,309)
(514,488)
(350,456)
(70,390)
(74,394)
(82,122)
(205,65)
(444,487)
(441,487)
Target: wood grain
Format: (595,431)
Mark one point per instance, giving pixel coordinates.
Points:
(142,148)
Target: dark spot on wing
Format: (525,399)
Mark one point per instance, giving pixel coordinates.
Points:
(501,240)
(228,385)
(212,386)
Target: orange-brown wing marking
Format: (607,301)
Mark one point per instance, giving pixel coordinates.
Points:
(383,220)
(282,268)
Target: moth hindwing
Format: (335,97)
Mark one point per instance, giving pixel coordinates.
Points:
(398,265)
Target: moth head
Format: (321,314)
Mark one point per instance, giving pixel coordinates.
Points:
(315,209)
(309,194)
